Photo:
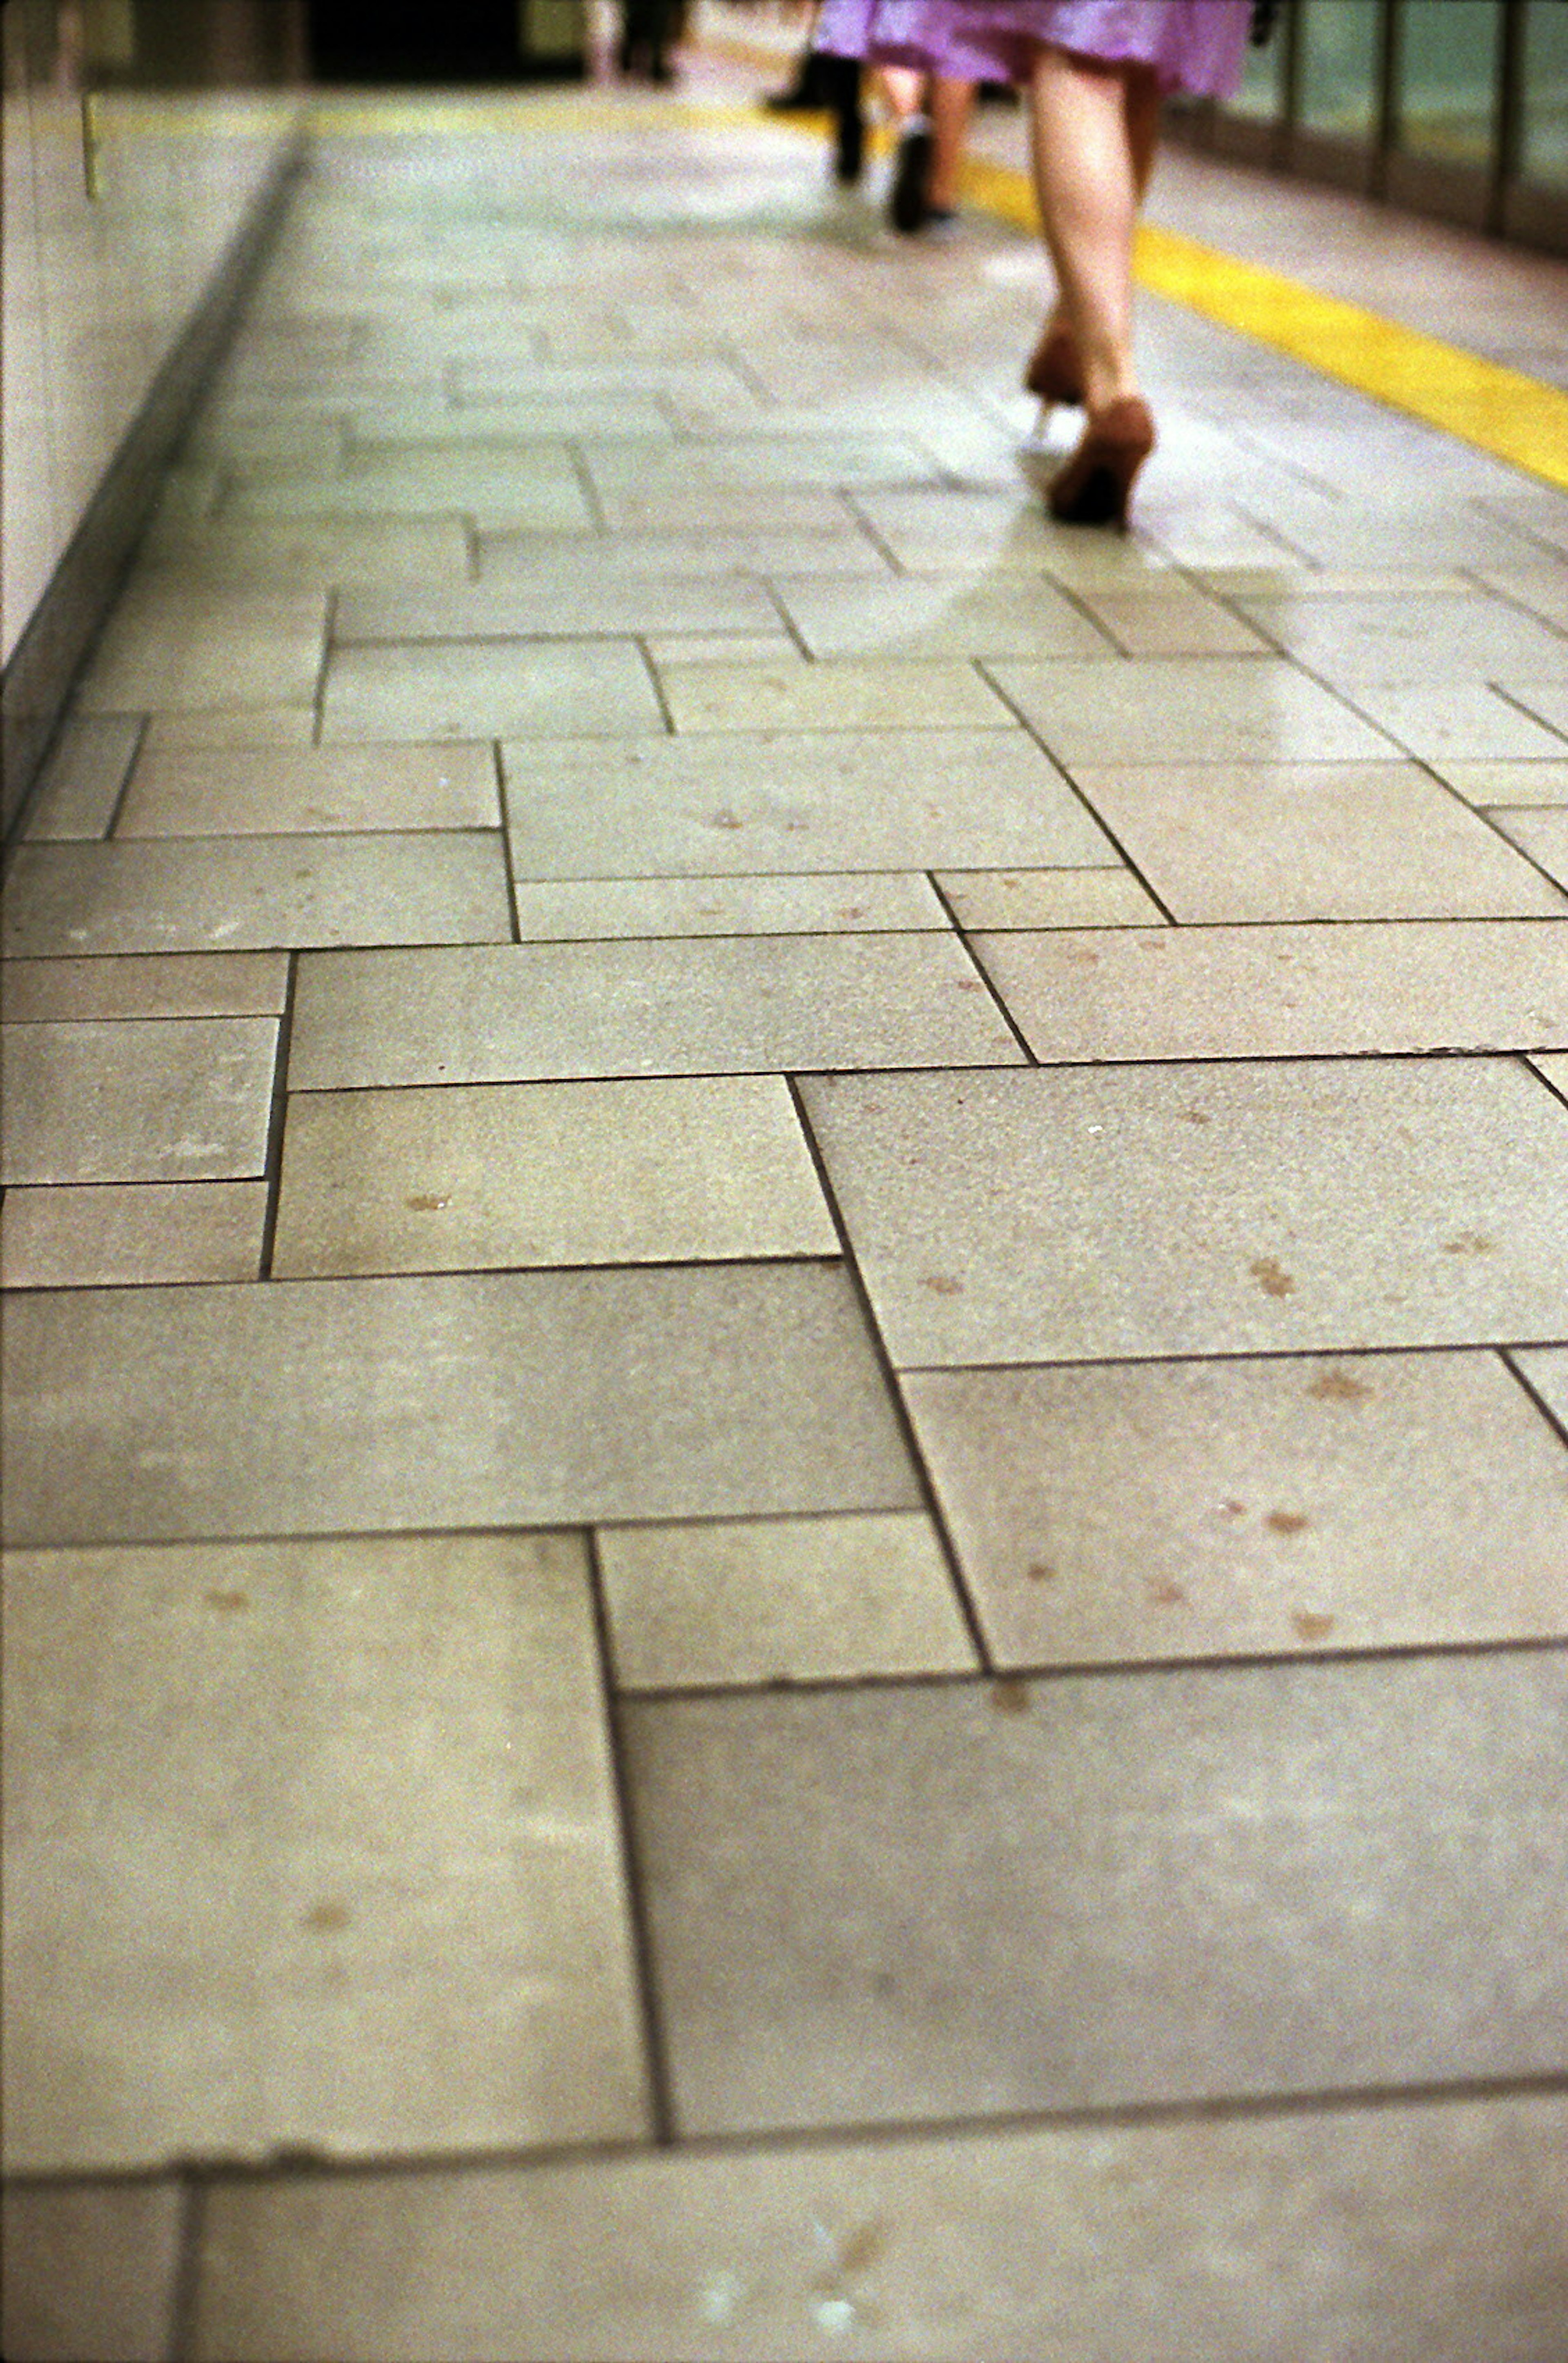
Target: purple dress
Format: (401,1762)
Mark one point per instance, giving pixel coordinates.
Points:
(1193,45)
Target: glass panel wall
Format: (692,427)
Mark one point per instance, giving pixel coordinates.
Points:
(1446,104)
(1453,108)
(1261,95)
(1545,113)
(1340,56)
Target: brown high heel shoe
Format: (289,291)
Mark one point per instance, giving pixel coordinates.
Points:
(1052,372)
(1094,486)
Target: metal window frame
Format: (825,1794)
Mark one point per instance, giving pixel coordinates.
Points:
(1492,199)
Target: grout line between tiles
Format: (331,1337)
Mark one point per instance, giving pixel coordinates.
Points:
(1555,1420)
(902,2132)
(1106,830)
(661,2097)
(182,2341)
(143,720)
(929,1500)
(318,698)
(277,1120)
(982,971)
(1055,1673)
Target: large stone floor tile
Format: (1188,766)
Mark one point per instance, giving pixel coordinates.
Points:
(177,984)
(135,1235)
(554,689)
(1443,722)
(1185,710)
(500,1399)
(790,461)
(90,2271)
(253,724)
(1449,638)
(1543,836)
(954,615)
(953,532)
(363,1895)
(826,903)
(538,561)
(177,648)
(1170,616)
(703,1005)
(1313,990)
(1310,841)
(1158,1511)
(79,786)
(504,611)
(645,508)
(251,791)
(1004,899)
(287,551)
(178,1099)
(1245,1208)
(966,1899)
(759,1600)
(480,1176)
(195,895)
(750,803)
(849,693)
(538,489)
(1418,2232)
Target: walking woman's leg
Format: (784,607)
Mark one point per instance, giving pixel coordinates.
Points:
(1087,184)
(951,102)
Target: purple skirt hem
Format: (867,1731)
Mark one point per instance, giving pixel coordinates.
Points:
(1196,46)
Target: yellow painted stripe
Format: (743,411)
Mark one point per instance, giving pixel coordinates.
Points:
(1501,411)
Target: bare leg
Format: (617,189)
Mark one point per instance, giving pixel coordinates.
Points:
(902,87)
(1087,117)
(950,103)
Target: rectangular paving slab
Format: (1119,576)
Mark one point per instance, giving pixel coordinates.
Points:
(249,792)
(974,1899)
(178,1099)
(117,1235)
(503,1398)
(470,1176)
(706,1005)
(1284,992)
(1069,1215)
(506,611)
(179,984)
(365,1892)
(1171,710)
(1283,841)
(793,802)
(1203,1509)
(1415,2232)
(207,894)
(489,689)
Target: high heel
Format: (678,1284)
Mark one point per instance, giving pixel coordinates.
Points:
(1094,486)
(1052,372)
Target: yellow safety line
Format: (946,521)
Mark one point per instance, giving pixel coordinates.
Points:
(1500,411)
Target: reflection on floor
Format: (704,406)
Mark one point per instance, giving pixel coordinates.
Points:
(785,1467)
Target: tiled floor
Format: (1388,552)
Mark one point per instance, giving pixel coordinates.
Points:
(786,1471)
